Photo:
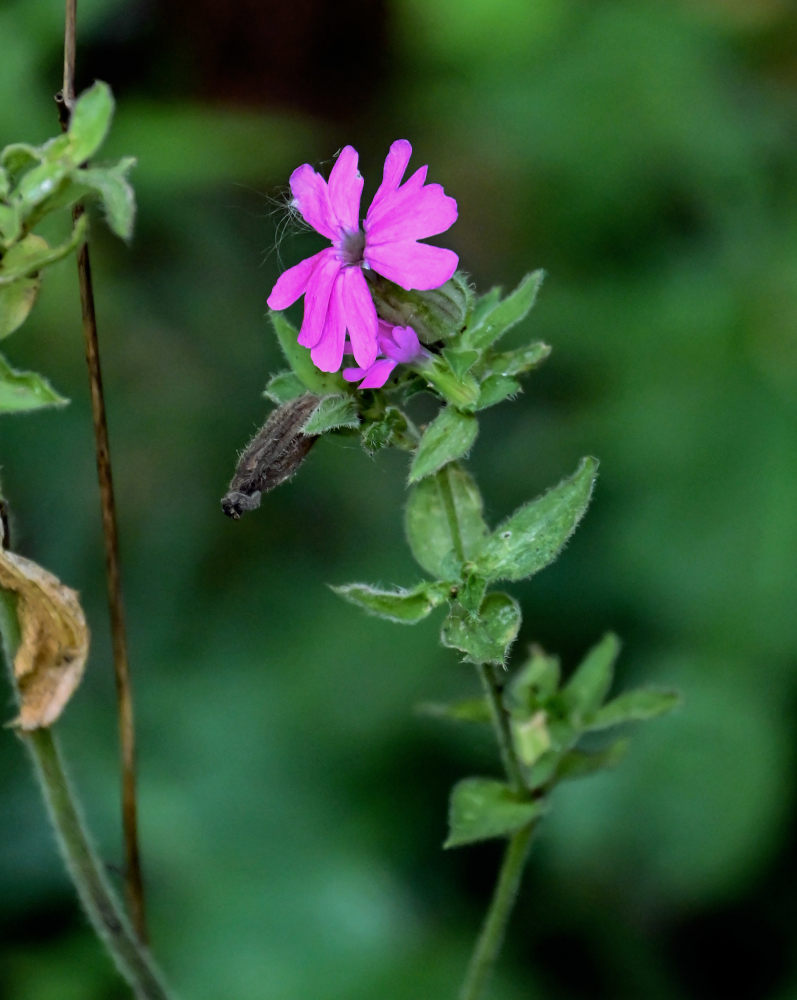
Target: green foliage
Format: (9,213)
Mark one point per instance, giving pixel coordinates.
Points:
(298,357)
(532,537)
(449,437)
(23,391)
(444,522)
(496,317)
(484,635)
(406,607)
(38,181)
(482,808)
(546,723)
(332,413)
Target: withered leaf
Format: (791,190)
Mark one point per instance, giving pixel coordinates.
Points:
(54,640)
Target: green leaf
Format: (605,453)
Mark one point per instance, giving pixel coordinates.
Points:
(32,254)
(21,391)
(332,413)
(460,361)
(90,121)
(460,391)
(531,737)
(298,357)
(484,637)
(495,389)
(406,607)
(112,187)
(39,184)
(634,706)
(496,321)
(482,808)
(533,684)
(582,764)
(19,156)
(589,684)
(5,183)
(449,436)
(10,224)
(484,306)
(470,593)
(283,387)
(467,710)
(534,535)
(449,495)
(16,301)
(519,361)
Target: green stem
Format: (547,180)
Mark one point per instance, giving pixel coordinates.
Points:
(103,910)
(500,719)
(491,935)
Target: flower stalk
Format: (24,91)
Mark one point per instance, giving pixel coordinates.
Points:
(134,880)
(491,936)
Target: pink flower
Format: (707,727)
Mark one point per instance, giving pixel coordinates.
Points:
(336,295)
(399,344)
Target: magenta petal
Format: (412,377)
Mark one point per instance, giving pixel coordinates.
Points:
(311,195)
(353,374)
(406,347)
(378,373)
(395,165)
(292,283)
(412,215)
(412,265)
(317,296)
(345,189)
(327,353)
(360,313)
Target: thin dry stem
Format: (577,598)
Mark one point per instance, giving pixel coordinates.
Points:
(133,874)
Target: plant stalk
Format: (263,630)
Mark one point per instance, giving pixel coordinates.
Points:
(500,720)
(491,936)
(133,875)
(106,916)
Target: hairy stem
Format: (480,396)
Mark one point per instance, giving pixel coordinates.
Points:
(106,915)
(103,910)
(500,719)
(133,876)
(491,935)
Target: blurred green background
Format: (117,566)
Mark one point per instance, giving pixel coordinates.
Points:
(292,805)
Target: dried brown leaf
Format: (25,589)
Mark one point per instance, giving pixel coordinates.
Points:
(54,640)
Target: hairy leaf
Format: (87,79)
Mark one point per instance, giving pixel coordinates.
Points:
(21,391)
(406,607)
(449,497)
(635,706)
(511,310)
(482,808)
(449,437)
(484,637)
(532,537)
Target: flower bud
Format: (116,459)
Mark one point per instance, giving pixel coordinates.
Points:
(435,315)
(272,456)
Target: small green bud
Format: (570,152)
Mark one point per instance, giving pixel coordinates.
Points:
(439,314)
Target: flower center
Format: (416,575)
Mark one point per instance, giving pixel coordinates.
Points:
(353,246)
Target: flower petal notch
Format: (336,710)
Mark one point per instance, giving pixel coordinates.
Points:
(54,640)
(338,307)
